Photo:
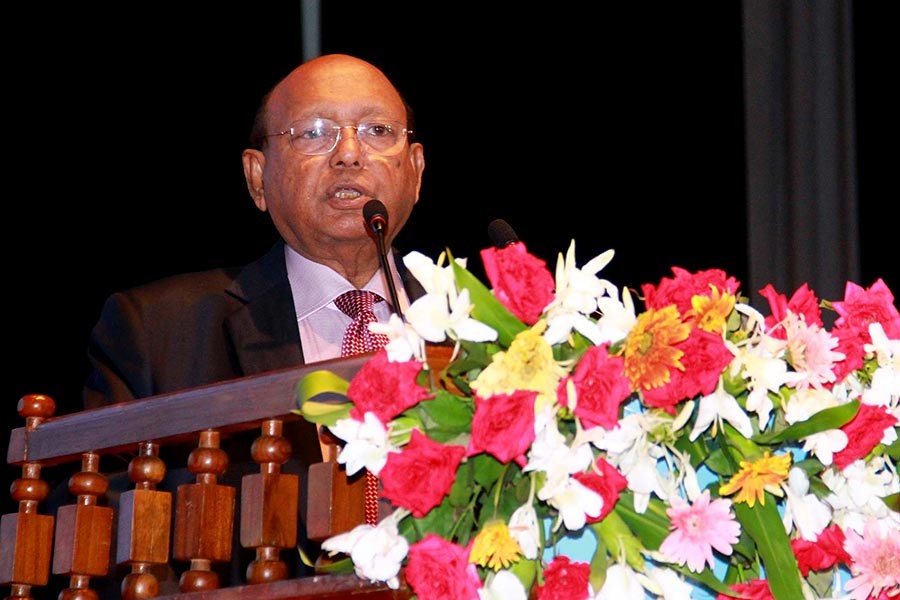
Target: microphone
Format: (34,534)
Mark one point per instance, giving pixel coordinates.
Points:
(502,235)
(376,216)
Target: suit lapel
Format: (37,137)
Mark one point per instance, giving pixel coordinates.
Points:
(264,331)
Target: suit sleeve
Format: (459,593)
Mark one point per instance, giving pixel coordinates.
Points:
(117,351)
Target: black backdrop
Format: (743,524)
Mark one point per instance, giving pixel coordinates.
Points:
(125,126)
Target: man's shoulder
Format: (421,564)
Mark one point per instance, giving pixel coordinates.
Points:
(236,282)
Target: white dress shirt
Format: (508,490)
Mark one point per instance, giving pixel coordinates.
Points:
(322,324)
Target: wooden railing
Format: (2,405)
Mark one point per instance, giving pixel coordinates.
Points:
(146,527)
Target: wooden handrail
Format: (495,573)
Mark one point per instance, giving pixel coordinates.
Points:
(235,405)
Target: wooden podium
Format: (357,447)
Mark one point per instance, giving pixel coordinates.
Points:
(77,542)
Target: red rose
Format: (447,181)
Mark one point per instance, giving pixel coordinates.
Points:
(503,426)
(705,357)
(418,477)
(565,580)
(803,302)
(824,553)
(861,307)
(440,570)
(519,280)
(864,432)
(601,387)
(685,285)
(607,484)
(755,589)
(385,388)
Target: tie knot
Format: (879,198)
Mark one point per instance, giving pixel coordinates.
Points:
(354,302)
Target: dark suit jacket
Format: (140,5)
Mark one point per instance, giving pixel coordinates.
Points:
(198,328)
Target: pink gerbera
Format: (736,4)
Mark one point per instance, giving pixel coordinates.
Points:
(876,562)
(699,528)
(812,352)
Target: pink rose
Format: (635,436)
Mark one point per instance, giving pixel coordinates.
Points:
(418,477)
(503,426)
(440,570)
(385,388)
(519,280)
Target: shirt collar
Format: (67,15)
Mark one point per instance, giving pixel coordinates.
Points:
(314,285)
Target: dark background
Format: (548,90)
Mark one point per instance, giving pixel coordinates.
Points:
(617,126)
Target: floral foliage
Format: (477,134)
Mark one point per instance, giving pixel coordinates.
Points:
(702,442)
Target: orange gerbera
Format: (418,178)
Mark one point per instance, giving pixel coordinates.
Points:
(649,347)
(755,478)
(711,312)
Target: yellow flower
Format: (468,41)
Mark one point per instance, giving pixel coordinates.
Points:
(493,547)
(755,478)
(711,312)
(527,365)
(649,347)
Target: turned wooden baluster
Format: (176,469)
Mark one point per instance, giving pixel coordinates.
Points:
(83,532)
(204,516)
(336,503)
(269,501)
(145,517)
(26,536)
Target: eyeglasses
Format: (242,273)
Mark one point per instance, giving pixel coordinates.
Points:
(320,136)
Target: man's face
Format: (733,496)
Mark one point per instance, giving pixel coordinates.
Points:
(316,201)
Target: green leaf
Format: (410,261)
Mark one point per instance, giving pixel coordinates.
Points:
(764,525)
(322,397)
(830,418)
(342,566)
(487,470)
(651,526)
(487,308)
(892,501)
(894,449)
(618,539)
(446,416)
(526,570)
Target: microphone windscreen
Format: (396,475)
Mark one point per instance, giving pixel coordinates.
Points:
(375,209)
(502,235)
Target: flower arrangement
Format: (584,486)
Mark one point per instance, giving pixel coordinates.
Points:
(703,444)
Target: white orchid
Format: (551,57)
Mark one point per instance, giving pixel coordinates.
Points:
(621,582)
(666,584)
(523,527)
(367,443)
(803,510)
(885,387)
(577,292)
(502,585)
(377,551)
(717,407)
(404,342)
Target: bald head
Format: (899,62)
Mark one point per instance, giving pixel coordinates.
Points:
(341,72)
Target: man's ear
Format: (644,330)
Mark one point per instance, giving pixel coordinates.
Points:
(254,162)
(417,158)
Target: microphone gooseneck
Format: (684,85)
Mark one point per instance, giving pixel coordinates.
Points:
(376,216)
(501,234)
